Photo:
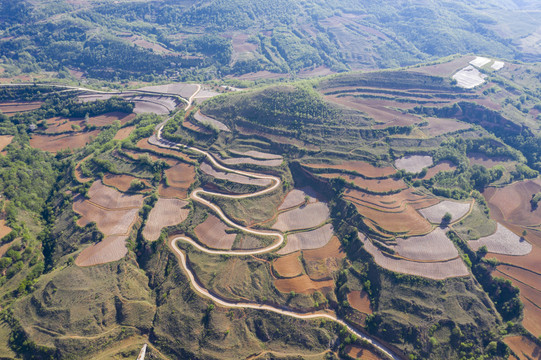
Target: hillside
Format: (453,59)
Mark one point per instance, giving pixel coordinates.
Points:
(200,40)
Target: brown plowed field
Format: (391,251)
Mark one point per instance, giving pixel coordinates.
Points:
(166,212)
(359,301)
(360,167)
(124,133)
(373,185)
(60,125)
(394,203)
(304,217)
(288,266)
(143,144)
(241,179)
(513,202)
(5,140)
(359,353)
(525,348)
(446,69)
(297,197)
(408,221)
(257,155)
(303,284)
(531,298)
(10,108)
(442,166)
(122,182)
(179,178)
(108,118)
(111,248)
(531,261)
(527,277)
(212,233)
(195,127)
(110,198)
(109,222)
(432,270)
(333,249)
(59,142)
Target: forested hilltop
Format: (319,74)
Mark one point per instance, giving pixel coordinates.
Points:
(198,40)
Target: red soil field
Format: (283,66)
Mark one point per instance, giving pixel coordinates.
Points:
(60,142)
(532,261)
(304,217)
(109,222)
(359,301)
(312,239)
(288,266)
(78,173)
(360,353)
(111,248)
(297,197)
(440,126)
(10,108)
(5,140)
(512,203)
(360,167)
(446,69)
(61,125)
(303,284)
(212,233)
(124,133)
(523,347)
(109,118)
(374,185)
(122,182)
(166,212)
(531,298)
(395,202)
(322,263)
(521,275)
(488,162)
(109,198)
(179,178)
(442,166)
(333,249)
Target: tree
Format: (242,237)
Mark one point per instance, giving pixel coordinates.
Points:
(446,219)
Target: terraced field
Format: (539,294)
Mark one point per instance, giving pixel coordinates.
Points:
(55,143)
(166,212)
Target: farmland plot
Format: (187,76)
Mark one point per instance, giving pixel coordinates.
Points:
(111,248)
(288,266)
(361,167)
(503,241)
(323,262)
(413,163)
(297,197)
(56,143)
(124,133)
(109,198)
(373,185)
(108,221)
(469,77)
(308,240)
(360,302)
(212,233)
(442,166)
(524,348)
(430,247)
(122,182)
(207,120)
(180,89)
(303,284)
(5,140)
(304,217)
(249,160)
(432,270)
(435,213)
(166,212)
(257,155)
(241,179)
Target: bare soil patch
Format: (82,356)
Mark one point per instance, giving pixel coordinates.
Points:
(303,285)
(122,182)
(145,145)
(435,213)
(61,125)
(304,217)
(503,241)
(11,108)
(394,202)
(446,69)
(432,270)
(109,222)
(108,118)
(124,133)
(361,167)
(288,266)
(111,248)
(56,143)
(322,263)
(110,198)
(5,140)
(488,162)
(359,301)
(212,233)
(359,353)
(297,197)
(333,249)
(257,155)
(4,229)
(373,185)
(179,178)
(440,126)
(166,212)
(181,89)
(525,348)
(413,163)
(249,160)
